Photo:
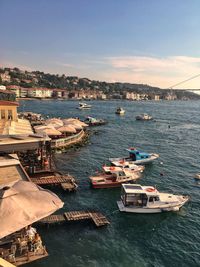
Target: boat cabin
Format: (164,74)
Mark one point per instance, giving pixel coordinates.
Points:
(135,195)
(115,172)
(135,154)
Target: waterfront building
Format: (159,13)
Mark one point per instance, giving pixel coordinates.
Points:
(15,89)
(2,87)
(5,77)
(10,124)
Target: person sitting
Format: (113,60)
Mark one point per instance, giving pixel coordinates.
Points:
(37,243)
(30,232)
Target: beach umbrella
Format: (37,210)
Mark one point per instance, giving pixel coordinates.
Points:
(67,129)
(76,126)
(41,127)
(54,125)
(75,121)
(23,204)
(54,121)
(50,131)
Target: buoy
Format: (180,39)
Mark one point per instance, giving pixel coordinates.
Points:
(150,189)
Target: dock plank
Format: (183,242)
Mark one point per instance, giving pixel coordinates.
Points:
(98,218)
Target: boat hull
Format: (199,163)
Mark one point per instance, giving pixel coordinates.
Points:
(139,161)
(147,210)
(108,185)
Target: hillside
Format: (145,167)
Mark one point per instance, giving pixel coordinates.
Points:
(27,79)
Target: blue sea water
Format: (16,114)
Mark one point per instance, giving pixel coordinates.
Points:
(131,240)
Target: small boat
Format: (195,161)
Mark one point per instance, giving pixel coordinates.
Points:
(120,111)
(136,157)
(144,117)
(147,199)
(94,122)
(113,177)
(84,106)
(197,176)
(127,164)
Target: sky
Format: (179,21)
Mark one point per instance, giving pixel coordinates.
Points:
(151,42)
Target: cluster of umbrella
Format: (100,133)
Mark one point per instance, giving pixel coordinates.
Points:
(56,127)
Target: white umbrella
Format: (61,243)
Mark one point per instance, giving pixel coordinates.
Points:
(75,121)
(42,127)
(67,129)
(50,132)
(23,204)
(54,121)
(76,126)
(54,125)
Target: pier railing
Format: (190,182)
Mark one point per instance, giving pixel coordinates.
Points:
(64,142)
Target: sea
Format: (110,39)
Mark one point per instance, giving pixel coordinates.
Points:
(131,240)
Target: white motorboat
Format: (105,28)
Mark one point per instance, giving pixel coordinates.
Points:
(144,117)
(147,199)
(120,111)
(136,157)
(84,106)
(127,164)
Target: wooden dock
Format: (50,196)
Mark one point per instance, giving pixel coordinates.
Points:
(66,182)
(98,218)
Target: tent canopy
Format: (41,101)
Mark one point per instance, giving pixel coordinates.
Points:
(25,203)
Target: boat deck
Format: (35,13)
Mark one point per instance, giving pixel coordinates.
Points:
(98,218)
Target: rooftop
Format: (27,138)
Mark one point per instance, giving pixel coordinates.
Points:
(21,126)
(9,143)
(11,170)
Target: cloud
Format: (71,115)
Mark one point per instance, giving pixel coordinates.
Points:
(62,64)
(161,72)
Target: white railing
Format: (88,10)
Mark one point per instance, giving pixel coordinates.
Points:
(62,142)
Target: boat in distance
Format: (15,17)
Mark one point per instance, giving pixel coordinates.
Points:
(136,157)
(143,117)
(83,105)
(94,122)
(197,177)
(147,199)
(113,177)
(120,111)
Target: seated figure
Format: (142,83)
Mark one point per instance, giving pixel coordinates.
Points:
(30,232)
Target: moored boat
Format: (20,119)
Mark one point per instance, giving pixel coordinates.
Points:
(197,176)
(136,157)
(113,177)
(147,199)
(94,122)
(127,164)
(83,105)
(120,111)
(143,117)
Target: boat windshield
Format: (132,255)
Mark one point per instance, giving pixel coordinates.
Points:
(134,199)
(121,173)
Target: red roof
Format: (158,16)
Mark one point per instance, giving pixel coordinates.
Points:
(8,103)
(6,92)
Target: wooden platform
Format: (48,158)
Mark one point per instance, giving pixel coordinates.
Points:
(66,182)
(98,218)
(27,259)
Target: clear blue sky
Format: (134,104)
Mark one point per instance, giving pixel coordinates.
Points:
(143,41)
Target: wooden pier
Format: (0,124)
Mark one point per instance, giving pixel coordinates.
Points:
(66,182)
(98,218)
